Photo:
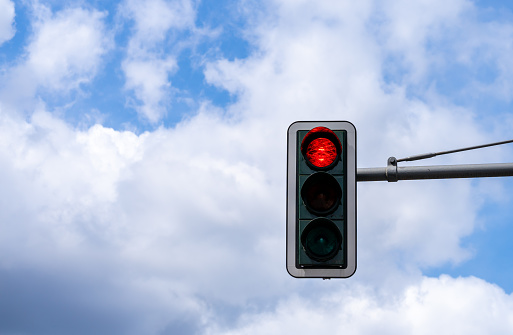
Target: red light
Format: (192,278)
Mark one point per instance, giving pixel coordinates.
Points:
(321,148)
(321,152)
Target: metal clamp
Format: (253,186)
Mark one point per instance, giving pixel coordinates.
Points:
(391,171)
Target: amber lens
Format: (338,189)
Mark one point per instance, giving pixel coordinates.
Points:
(321,193)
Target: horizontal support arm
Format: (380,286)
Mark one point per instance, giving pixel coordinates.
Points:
(395,173)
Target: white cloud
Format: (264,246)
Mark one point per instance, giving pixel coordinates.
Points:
(63,177)
(148,79)
(426,39)
(408,29)
(433,305)
(153,201)
(67,48)
(319,63)
(486,57)
(154,18)
(7,29)
(147,67)
(189,220)
(64,52)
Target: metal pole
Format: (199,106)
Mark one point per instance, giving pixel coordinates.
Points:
(394,173)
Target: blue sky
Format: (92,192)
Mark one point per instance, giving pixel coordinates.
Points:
(142,164)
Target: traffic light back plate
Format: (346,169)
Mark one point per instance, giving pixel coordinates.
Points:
(341,219)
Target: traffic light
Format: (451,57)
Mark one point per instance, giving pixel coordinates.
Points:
(321,199)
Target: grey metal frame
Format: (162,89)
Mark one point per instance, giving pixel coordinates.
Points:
(292,194)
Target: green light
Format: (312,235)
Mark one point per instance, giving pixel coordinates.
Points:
(321,240)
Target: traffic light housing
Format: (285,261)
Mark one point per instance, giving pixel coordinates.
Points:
(321,199)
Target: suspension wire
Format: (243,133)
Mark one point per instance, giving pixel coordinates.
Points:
(433,154)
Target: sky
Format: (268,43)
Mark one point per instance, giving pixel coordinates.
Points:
(143,164)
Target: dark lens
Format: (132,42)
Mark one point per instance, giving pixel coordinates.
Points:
(321,193)
(321,240)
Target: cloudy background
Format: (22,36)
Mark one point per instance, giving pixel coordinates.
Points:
(143,164)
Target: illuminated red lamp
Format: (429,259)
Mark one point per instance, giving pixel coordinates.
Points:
(321,148)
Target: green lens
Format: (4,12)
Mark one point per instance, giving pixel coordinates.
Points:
(321,240)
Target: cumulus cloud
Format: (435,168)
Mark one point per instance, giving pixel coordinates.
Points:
(153,19)
(182,229)
(64,52)
(408,29)
(7,29)
(445,304)
(65,230)
(65,175)
(148,78)
(333,68)
(148,64)
(144,213)
(67,48)
(422,48)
